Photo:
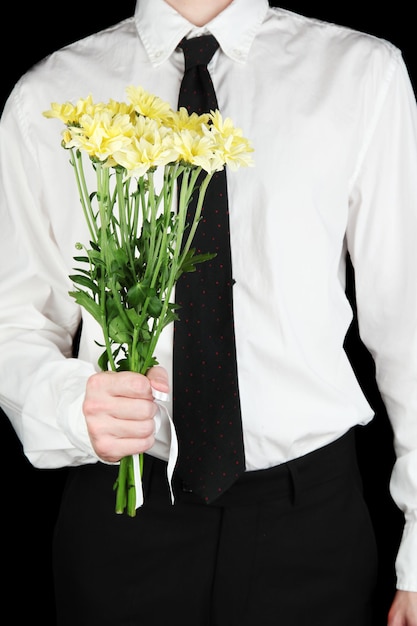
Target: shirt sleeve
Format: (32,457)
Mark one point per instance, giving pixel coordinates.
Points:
(42,385)
(381,240)
(38,321)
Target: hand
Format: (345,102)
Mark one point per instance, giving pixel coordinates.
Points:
(403,611)
(119,409)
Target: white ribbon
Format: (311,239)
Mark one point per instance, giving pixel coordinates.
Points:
(173,451)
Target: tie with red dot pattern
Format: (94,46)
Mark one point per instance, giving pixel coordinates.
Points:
(205,388)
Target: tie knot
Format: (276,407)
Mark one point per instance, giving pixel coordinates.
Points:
(198,50)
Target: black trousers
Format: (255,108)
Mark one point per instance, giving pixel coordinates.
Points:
(288,546)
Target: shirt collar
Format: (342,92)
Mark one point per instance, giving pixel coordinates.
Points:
(161,28)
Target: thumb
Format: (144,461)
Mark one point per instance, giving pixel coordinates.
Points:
(158,377)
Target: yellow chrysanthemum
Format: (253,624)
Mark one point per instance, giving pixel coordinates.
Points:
(145,133)
(66,138)
(182,120)
(196,149)
(148,128)
(148,104)
(102,134)
(235,151)
(151,147)
(66,112)
(119,108)
(69,113)
(232,148)
(223,126)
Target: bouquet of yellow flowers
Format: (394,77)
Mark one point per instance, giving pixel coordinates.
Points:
(140,240)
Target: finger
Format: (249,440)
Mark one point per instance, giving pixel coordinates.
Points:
(120,384)
(158,378)
(115,438)
(117,429)
(112,450)
(124,408)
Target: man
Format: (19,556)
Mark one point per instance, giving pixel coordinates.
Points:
(332,118)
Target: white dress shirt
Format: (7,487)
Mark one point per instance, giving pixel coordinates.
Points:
(332,117)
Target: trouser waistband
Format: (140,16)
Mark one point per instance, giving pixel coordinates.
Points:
(288,479)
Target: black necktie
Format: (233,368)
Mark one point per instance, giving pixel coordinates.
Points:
(206,393)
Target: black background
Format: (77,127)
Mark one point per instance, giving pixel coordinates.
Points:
(30,496)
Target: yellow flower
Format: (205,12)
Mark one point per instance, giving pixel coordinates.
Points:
(68,112)
(146,133)
(120,108)
(182,120)
(66,138)
(151,146)
(197,149)
(232,148)
(148,104)
(235,152)
(102,134)
(223,126)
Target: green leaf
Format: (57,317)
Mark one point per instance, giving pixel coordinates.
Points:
(155,307)
(134,317)
(171,316)
(95,258)
(191,260)
(152,361)
(137,294)
(85,272)
(123,365)
(120,257)
(85,300)
(85,282)
(112,309)
(145,335)
(103,361)
(119,331)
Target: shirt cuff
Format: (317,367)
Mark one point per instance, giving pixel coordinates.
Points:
(406,565)
(71,417)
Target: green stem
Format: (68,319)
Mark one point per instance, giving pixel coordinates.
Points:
(120,486)
(101,197)
(196,219)
(125,235)
(76,161)
(187,188)
(164,246)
